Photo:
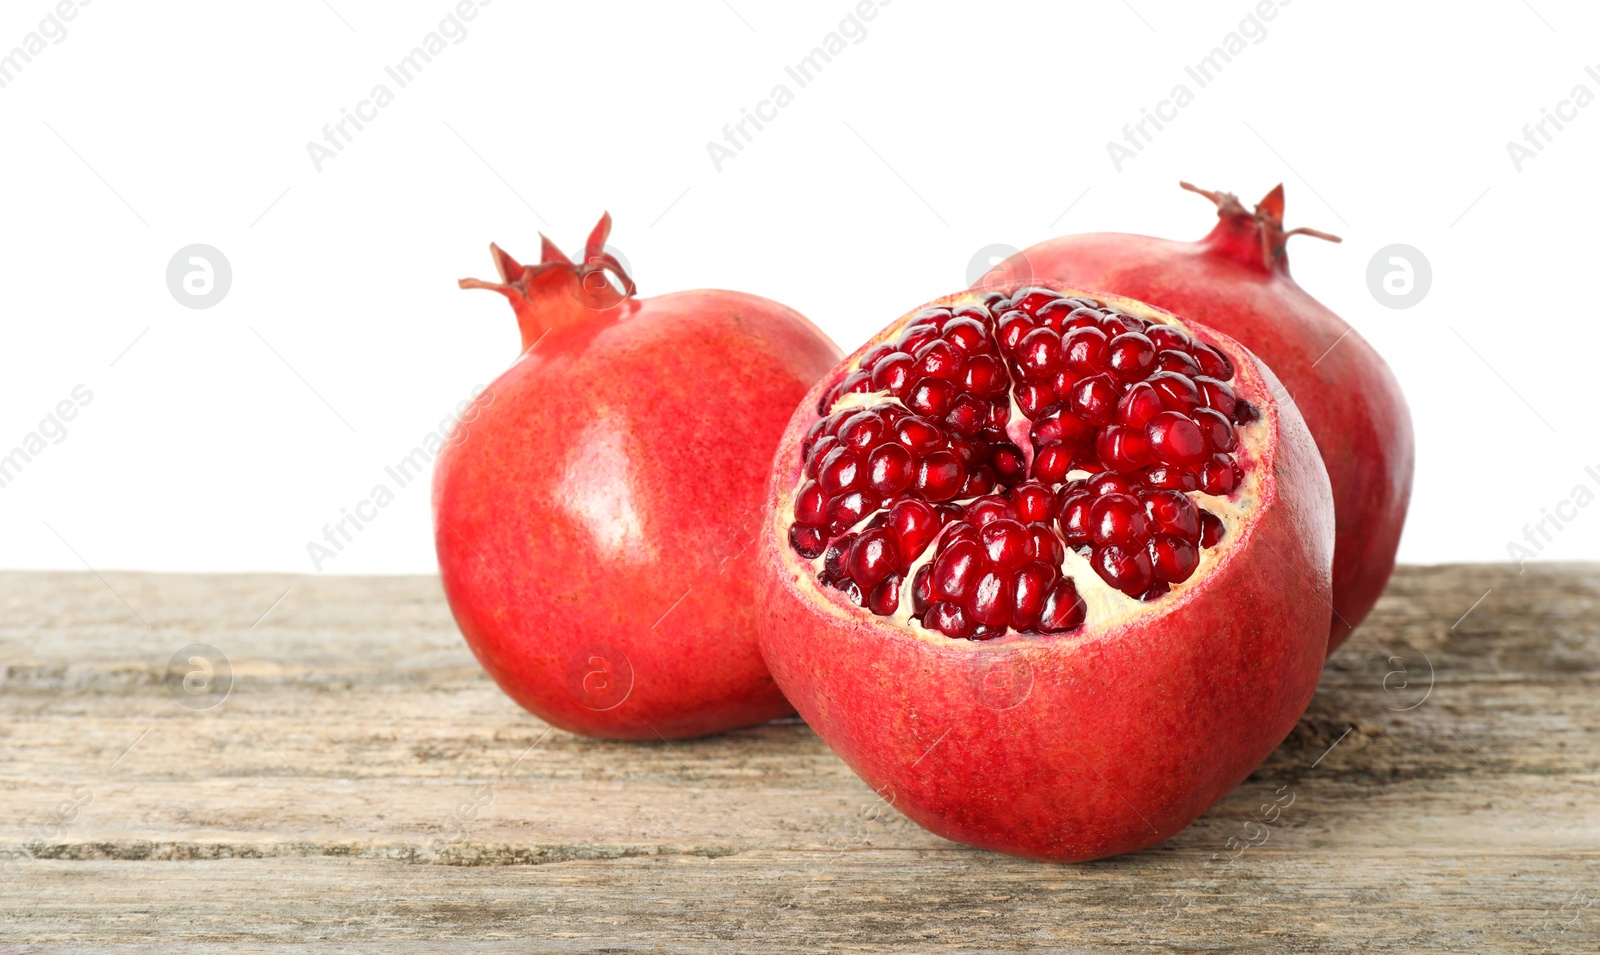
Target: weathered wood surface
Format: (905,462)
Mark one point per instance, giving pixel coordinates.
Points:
(366,788)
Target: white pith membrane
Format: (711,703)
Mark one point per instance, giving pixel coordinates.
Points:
(1104,605)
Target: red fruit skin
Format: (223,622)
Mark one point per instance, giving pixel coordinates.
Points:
(1236,280)
(1071,748)
(607,496)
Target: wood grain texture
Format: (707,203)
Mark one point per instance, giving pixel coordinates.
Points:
(364,787)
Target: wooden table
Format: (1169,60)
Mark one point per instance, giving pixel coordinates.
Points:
(364,787)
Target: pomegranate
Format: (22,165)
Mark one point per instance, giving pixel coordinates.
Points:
(592,529)
(1236,280)
(1048,568)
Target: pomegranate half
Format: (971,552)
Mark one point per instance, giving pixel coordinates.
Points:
(1048,568)
(594,528)
(1236,280)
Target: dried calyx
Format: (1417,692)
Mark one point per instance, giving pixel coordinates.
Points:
(996,461)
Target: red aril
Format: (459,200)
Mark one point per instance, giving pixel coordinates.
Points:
(1236,280)
(1171,635)
(593,532)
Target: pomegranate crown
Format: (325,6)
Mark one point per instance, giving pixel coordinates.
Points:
(1255,238)
(558,291)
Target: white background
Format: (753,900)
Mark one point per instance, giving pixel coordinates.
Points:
(224,439)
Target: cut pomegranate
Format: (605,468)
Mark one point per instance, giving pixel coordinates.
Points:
(1236,280)
(1115,499)
(594,531)
(1085,402)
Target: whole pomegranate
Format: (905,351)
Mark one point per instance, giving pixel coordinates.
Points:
(592,529)
(1236,280)
(1048,568)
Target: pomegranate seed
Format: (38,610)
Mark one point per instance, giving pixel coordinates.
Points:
(1165,336)
(1052,463)
(949,512)
(873,557)
(1036,399)
(1032,501)
(1177,392)
(916,336)
(1030,300)
(984,376)
(885,598)
(859,383)
(1044,545)
(1124,448)
(1013,327)
(1171,478)
(1217,428)
(1085,317)
(949,619)
(1085,350)
(1064,427)
(861,430)
(1117,519)
(965,333)
(1173,558)
(1139,405)
(889,468)
(1040,353)
(1094,399)
(875,354)
(1000,413)
(1053,315)
(835,560)
(956,569)
(1211,529)
(846,511)
(892,373)
(940,475)
(990,507)
(958,530)
(1073,517)
(811,504)
(1111,482)
(922,590)
(1010,466)
(840,472)
(1244,412)
(918,435)
(967,416)
(1220,475)
(980,480)
(852,593)
(1212,362)
(967,451)
(1005,542)
(1063,609)
(1029,591)
(940,359)
(1171,512)
(1176,361)
(819,453)
(1217,394)
(1125,567)
(931,397)
(1175,439)
(814,434)
(1131,356)
(989,604)
(807,540)
(915,524)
